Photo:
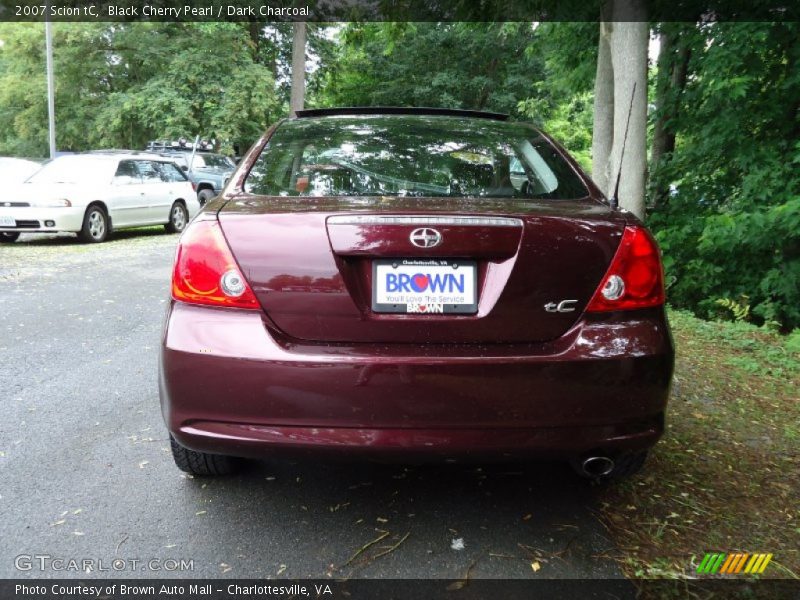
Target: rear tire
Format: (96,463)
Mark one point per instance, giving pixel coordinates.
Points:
(95,225)
(9,237)
(178,218)
(204,196)
(627,466)
(201,463)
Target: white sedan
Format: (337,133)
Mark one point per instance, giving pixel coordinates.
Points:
(91,194)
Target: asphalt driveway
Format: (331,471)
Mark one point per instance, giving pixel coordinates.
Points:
(86,473)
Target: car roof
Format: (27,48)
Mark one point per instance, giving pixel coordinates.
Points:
(124,154)
(399,110)
(186,151)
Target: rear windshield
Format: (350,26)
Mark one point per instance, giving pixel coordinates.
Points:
(411,156)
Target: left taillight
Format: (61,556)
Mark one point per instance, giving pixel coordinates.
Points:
(635,278)
(205,271)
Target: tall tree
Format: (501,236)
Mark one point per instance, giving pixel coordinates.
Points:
(621,104)
(298,68)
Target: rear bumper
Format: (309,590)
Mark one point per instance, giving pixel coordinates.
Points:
(229,386)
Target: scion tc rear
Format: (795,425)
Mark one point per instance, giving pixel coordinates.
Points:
(415,283)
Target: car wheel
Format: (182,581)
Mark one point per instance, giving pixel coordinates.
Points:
(178,218)
(200,463)
(627,465)
(205,195)
(7,237)
(95,225)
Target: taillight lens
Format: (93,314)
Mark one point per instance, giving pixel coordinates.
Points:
(205,271)
(635,278)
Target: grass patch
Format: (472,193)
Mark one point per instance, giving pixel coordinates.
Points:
(726,475)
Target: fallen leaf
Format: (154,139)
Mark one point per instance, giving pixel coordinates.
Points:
(535,566)
(456,585)
(457,544)
(527,517)
(281,569)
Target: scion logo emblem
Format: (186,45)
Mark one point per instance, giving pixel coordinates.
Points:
(425,237)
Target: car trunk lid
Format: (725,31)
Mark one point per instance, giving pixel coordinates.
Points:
(311,263)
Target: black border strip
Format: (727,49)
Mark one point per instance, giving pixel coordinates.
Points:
(398,10)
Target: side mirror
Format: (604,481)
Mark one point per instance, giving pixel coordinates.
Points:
(184,168)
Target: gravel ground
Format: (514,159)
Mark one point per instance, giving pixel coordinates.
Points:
(85,469)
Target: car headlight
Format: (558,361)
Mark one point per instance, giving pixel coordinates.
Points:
(57,203)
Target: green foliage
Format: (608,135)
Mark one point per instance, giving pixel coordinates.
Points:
(739,310)
(562,102)
(570,123)
(453,65)
(120,85)
(731,225)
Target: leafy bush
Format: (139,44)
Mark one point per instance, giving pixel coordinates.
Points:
(753,254)
(729,225)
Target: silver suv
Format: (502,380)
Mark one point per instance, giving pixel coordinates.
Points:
(209,172)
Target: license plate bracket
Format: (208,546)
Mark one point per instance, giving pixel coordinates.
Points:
(425,286)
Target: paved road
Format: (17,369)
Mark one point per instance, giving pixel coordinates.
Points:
(85,469)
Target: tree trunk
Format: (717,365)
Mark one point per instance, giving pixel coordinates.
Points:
(603,128)
(297,101)
(673,64)
(254,31)
(661,141)
(628,43)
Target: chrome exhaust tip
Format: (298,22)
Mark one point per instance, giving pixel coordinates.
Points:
(597,466)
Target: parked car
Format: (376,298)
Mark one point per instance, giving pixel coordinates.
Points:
(12,172)
(92,194)
(208,171)
(381,281)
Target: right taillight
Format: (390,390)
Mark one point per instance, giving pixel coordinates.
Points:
(635,278)
(205,271)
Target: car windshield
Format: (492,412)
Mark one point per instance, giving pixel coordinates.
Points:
(411,156)
(75,169)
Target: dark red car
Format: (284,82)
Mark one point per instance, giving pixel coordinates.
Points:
(417,283)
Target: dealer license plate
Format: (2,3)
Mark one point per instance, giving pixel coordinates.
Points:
(424,286)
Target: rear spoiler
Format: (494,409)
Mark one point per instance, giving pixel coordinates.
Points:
(399,110)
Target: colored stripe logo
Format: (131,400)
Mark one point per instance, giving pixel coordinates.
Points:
(740,562)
